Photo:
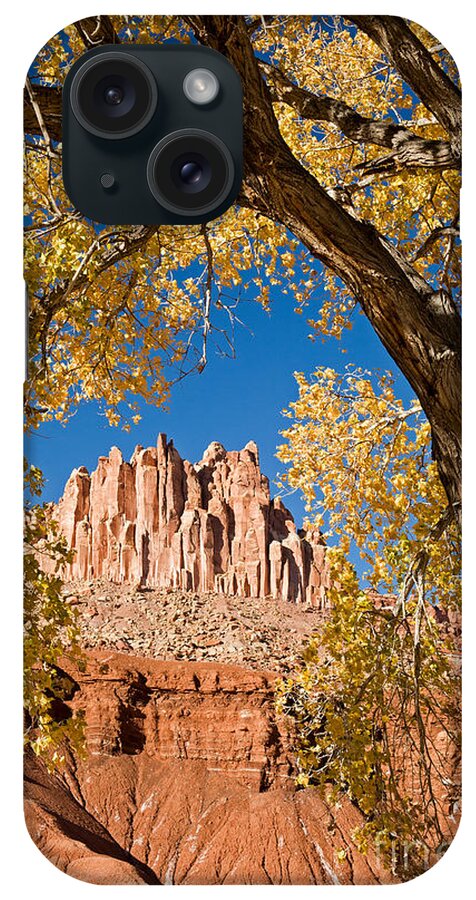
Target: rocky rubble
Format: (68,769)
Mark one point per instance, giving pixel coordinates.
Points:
(254,632)
(160,521)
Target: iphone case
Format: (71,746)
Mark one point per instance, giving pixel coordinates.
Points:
(245,669)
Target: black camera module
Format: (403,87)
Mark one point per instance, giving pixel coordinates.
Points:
(113,95)
(152,134)
(190,172)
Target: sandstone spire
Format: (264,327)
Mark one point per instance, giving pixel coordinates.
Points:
(160,521)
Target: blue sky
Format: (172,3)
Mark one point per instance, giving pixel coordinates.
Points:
(232,401)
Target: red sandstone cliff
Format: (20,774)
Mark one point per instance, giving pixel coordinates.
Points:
(188,780)
(160,521)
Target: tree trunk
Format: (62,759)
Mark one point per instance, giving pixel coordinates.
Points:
(49,101)
(418,69)
(419,328)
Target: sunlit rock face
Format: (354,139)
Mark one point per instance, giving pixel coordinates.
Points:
(160,521)
(187,778)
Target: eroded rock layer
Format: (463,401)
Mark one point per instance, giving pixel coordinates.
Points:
(162,522)
(188,779)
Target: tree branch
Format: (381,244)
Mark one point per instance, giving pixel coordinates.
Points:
(418,69)
(96,30)
(408,150)
(436,235)
(126,244)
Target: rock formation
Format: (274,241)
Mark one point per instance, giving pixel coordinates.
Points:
(160,521)
(188,780)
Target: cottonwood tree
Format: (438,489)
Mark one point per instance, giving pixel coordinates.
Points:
(351,159)
(376,699)
(350,192)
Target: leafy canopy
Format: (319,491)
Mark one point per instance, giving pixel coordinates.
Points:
(51,632)
(122,313)
(360,456)
(375,700)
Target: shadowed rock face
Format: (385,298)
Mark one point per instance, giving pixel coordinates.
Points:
(70,837)
(162,522)
(188,780)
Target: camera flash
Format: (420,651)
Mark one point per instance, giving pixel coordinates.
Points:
(201,86)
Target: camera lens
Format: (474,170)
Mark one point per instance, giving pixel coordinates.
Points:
(113,95)
(190,171)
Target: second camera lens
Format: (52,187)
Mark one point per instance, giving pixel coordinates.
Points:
(190,172)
